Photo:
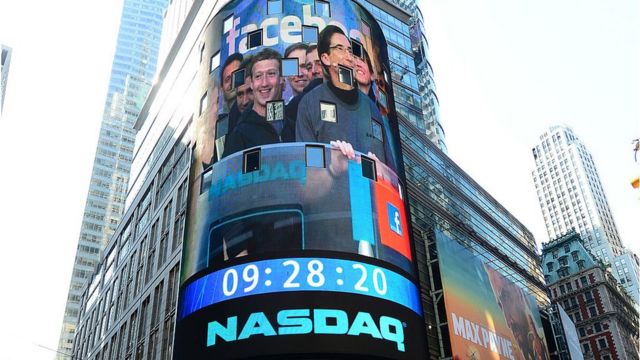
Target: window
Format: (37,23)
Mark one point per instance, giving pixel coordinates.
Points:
(574,256)
(582,332)
(583,280)
(309,34)
(228,24)
(555,254)
(315,156)
(597,327)
(562,291)
(274,7)
(602,343)
(577,317)
(323,8)
(368,168)
(290,67)
(251,161)
(214,62)
(567,248)
(592,311)
(204,103)
(550,266)
(588,297)
(569,287)
(254,39)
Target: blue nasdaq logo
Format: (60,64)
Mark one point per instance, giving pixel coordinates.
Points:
(394,219)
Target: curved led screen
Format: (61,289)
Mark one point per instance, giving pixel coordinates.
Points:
(297,242)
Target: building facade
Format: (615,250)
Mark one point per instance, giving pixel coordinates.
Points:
(132,72)
(571,196)
(129,307)
(443,197)
(5,61)
(604,315)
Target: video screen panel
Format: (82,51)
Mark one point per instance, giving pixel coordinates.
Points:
(297,241)
(489,316)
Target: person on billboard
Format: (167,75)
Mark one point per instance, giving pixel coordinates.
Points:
(243,96)
(364,75)
(517,313)
(231,64)
(316,77)
(313,63)
(336,112)
(300,81)
(264,122)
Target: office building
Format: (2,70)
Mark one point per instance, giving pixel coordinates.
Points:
(133,68)
(571,196)
(129,306)
(604,315)
(5,61)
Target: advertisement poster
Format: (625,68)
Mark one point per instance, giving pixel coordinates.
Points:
(297,242)
(570,335)
(489,316)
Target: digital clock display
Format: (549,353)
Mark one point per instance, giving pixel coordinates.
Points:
(299,274)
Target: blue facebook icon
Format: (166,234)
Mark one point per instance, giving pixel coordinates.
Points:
(394,219)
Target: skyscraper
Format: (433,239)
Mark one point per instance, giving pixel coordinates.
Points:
(5,61)
(133,68)
(571,196)
(605,316)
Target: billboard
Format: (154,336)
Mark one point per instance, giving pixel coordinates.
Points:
(489,317)
(570,335)
(297,242)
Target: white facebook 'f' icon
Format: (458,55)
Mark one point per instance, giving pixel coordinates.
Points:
(394,219)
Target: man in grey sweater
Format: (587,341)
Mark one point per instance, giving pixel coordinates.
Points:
(336,112)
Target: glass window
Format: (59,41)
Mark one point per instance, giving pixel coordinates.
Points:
(251,161)
(597,327)
(204,102)
(602,343)
(315,156)
(309,34)
(228,24)
(583,280)
(290,67)
(254,39)
(215,61)
(274,7)
(368,168)
(323,8)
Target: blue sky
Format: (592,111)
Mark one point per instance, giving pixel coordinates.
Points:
(505,70)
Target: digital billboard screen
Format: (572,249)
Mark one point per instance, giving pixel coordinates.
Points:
(297,242)
(489,317)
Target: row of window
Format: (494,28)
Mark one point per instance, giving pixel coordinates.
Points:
(145,334)
(137,263)
(461,182)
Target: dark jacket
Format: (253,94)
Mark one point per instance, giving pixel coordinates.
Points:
(253,130)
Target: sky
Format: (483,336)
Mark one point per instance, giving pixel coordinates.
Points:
(505,70)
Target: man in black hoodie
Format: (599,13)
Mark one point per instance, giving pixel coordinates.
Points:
(255,128)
